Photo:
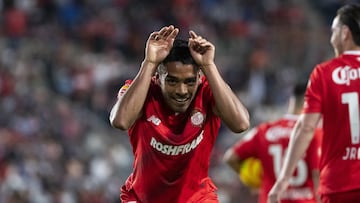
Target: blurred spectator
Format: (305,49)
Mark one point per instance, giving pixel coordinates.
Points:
(60,61)
(14,23)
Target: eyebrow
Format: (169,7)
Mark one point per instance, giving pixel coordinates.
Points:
(176,78)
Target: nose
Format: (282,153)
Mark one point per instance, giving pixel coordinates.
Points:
(182,89)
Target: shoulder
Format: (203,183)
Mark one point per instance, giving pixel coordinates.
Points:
(154,85)
(324,68)
(204,89)
(279,129)
(203,81)
(124,88)
(334,62)
(258,130)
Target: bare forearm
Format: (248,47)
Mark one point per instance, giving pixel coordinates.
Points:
(298,144)
(128,108)
(227,104)
(232,160)
(315,177)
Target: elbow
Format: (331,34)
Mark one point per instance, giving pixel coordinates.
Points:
(242,123)
(119,123)
(244,126)
(121,117)
(241,126)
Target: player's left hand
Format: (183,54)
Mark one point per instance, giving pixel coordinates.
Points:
(201,50)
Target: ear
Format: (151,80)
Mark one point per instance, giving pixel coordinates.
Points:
(345,33)
(199,77)
(157,78)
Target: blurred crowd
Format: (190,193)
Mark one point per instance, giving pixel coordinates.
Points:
(63,61)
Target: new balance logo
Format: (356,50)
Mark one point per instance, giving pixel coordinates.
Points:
(155,120)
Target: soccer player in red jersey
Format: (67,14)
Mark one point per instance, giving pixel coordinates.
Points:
(172,110)
(268,142)
(333,94)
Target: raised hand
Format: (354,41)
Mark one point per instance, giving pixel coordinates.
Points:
(201,50)
(159,44)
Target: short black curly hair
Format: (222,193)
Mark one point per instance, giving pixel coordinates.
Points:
(180,52)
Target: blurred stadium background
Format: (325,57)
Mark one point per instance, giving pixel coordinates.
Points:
(62,62)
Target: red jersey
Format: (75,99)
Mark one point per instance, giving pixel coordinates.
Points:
(172,152)
(333,91)
(268,142)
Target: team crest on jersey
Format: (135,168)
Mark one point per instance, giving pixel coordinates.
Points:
(197,119)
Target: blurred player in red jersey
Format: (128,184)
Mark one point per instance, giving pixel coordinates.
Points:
(333,95)
(172,111)
(268,142)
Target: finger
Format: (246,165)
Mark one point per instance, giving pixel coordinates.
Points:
(202,41)
(154,35)
(168,31)
(173,33)
(200,49)
(163,31)
(199,40)
(195,46)
(192,34)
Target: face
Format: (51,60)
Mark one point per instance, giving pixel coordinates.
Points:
(336,36)
(179,85)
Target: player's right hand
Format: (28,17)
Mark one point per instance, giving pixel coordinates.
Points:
(276,191)
(159,44)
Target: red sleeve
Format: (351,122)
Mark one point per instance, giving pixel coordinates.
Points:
(313,92)
(123,89)
(246,147)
